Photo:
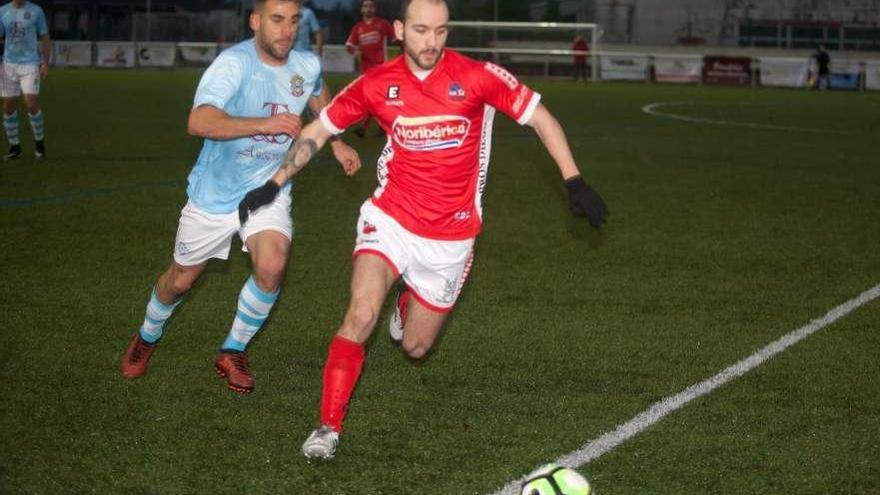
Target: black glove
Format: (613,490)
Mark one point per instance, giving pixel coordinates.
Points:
(257,198)
(584,201)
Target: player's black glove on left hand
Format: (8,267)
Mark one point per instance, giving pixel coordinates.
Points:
(584,201)
(256,198)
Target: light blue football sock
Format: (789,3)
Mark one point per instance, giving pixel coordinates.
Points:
(37,125)
(254,306)
(10,124)
(155,318)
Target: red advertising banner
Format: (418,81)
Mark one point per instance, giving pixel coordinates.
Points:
(735,71)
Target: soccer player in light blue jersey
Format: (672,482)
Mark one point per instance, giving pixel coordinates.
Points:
(25,62)
(308,25)
(247,108)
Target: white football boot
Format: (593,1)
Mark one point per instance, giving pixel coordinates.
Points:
(321,444)
(395,322)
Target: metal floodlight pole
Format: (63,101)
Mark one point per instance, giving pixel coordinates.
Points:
(147,35)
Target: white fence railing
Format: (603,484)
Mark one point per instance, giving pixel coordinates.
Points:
(797,72)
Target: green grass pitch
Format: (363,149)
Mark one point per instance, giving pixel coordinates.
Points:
(721,239)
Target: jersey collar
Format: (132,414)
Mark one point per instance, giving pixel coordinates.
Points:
(441,66)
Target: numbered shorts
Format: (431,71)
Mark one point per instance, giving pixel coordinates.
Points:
(202,236)
(434,270)
(20,78)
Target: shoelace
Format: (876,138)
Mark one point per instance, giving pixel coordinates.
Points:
(240,362)
(139,351)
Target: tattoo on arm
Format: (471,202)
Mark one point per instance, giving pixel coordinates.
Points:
(303,151)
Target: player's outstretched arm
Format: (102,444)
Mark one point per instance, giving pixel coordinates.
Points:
(583,200)
(347,156)
(310,140)
(213,123)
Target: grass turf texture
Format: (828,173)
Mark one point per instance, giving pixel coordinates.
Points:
(721,239)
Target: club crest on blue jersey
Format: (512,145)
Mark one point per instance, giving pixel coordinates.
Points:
(456,92)
(297,84)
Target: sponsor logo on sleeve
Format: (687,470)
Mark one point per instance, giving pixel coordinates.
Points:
(436,132)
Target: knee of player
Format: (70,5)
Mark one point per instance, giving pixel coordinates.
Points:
(268,273)
(415,350)
(361,315)
(181,285)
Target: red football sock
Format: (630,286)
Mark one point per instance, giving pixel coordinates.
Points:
(341,372)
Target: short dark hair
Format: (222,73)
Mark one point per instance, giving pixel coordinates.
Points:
(404,6)
(259,4)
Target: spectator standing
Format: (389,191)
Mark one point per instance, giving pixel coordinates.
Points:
(823,61)
(368,42)
(580,59)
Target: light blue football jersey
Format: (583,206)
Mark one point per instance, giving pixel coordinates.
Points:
(21,28)
(241,85)
(308,24)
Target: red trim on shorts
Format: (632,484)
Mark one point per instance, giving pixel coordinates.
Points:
(380,254)
(426,304)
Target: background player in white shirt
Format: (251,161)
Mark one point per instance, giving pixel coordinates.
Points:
(247,108)
(436,107)
(25,62)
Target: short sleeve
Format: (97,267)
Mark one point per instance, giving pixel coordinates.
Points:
(42,28)
(312,21)
(352,39)
(346,109)
(318,88)
(502,90)
(220,82)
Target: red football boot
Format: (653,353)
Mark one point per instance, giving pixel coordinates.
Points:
(234,367)
(137,356)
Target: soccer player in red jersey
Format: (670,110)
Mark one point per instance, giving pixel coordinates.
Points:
(580,60)
(368,42)
(437,107)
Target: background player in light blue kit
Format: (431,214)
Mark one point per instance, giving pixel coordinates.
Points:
(308,25)
(25,62)
(247,108)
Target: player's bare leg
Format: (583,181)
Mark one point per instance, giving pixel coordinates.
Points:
(37,124)
(269,251)
(421,328)
(371,280)
(169,289)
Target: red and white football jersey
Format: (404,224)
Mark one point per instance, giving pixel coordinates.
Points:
(433,169)
(372,39)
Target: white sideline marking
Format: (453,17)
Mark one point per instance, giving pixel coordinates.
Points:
(651,109)
(594,449)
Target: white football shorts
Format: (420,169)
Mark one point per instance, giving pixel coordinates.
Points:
(20,78)
(202,236)
(434,270)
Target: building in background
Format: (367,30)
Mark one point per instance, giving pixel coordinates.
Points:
(839,24)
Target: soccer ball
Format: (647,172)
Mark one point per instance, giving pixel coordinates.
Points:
(552,479)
